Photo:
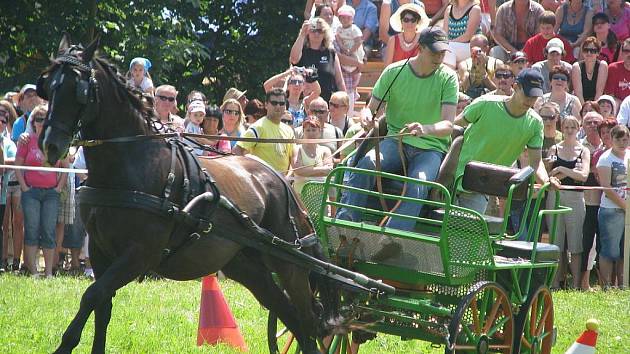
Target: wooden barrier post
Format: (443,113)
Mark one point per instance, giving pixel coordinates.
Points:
(626,244)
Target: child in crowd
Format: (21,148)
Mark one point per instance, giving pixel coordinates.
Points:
(138,75)
(196,114)
(314,161)
(349,38)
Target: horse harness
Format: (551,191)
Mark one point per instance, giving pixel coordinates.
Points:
(196,180)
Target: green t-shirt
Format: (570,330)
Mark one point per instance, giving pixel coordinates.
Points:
(495,136)
(278,155)
(413,98)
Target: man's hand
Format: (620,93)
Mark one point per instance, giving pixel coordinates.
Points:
(416,129)
(367,119)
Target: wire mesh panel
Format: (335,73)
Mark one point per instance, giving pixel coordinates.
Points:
(313,196)
(467,241)
(415,255)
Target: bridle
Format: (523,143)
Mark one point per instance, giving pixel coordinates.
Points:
(87,92)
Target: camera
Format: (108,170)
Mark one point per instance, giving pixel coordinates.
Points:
(310,74)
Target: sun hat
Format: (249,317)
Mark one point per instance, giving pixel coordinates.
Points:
(518,55)
(234,93)
(396,22)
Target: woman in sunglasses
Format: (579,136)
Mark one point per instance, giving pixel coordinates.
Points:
(40,196)
(233,119)
(568,103)
(589,75)
(408,20)
(313,47)
(7,117)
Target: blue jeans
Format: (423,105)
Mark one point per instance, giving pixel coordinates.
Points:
(421,164)
(611,232)
(40,216)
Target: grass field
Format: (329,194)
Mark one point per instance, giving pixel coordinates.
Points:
(162,317)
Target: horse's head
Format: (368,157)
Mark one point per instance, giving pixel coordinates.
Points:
(70,87)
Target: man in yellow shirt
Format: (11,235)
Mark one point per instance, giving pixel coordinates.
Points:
(278,155)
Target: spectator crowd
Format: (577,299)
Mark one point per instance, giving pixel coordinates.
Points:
(567,63)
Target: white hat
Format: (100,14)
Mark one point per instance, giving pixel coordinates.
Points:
(396,22)
(555,45)
(609,99)
(196,106)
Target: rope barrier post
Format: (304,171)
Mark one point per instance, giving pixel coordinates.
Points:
(626,244)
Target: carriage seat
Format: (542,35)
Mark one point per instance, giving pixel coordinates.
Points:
(493,180)
(545,252)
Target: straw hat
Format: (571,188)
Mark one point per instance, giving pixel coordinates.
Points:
(396,22)
(234,93)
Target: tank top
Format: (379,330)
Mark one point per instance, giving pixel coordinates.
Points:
(317,160)
(569,31)
(588,86)
(457,27)
(400,53)
(570,164)
(324,61)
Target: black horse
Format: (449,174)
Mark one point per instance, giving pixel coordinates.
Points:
(86,93)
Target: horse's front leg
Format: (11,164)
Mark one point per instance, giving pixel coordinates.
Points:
(98,297)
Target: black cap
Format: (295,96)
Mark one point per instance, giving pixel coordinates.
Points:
(532,82)
(601,16)
(434,38)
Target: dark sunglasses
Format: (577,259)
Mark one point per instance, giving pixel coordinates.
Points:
(165,98)
(277,103)
(317,30)
(409,19)
(560,78)
(3,121)
(547,117)
(506,75)
(39,119)
(336,105)
(287,121)
(591,50)
(296,82)
(521,61)
(231,111)
(319,111)
(599,23)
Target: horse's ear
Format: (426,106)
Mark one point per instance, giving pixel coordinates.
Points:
(64,44)
(88,53)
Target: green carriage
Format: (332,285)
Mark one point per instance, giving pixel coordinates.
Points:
(461,279)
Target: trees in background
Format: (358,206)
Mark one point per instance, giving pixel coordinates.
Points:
(193,44)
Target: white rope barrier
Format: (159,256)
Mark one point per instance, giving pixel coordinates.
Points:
(45,169)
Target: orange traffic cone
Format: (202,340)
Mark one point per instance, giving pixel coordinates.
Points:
(216,323)
(585,344)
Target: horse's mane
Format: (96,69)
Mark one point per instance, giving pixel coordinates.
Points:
(122,92)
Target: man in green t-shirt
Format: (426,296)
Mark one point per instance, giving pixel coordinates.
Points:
(499,130)
(420,94)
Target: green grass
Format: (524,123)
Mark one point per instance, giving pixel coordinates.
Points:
(162,317)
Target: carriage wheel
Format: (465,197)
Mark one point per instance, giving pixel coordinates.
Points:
(483,321)
(534,323)
(281,340)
